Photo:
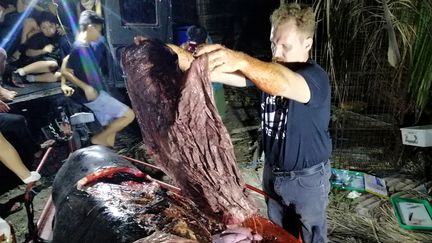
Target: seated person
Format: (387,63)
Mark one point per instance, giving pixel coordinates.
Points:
(43,53)
(83,71)
(30,25)
(16,124)
(11,159)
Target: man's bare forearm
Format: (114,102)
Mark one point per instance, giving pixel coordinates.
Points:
(34,52)
(69,76)
(64,69)
(232,79)
(276,79)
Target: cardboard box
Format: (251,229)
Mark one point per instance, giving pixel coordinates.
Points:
(420,136)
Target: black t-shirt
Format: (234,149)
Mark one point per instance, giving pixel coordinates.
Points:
(85,65)
(296,135)
(39,41)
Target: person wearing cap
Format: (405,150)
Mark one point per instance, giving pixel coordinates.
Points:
(83,70)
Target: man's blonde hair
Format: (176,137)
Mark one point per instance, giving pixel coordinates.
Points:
(303,16)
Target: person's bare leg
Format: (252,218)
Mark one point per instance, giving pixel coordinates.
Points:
(7,95)
(11,159)
(111,139)
(46,77)
(107,136)
(38,67)
(29,29)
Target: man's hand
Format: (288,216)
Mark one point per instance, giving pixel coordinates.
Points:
(67,90)
(61,31)
(4,107)
(90,93)
(139,39)
(236,234)
(53,8)
(221,59)
(185,58)
(48,49)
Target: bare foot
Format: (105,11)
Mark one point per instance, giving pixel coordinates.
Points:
(7,95)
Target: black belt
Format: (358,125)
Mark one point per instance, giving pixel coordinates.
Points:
(304,172)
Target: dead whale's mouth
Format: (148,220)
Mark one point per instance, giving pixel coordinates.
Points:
(113,175)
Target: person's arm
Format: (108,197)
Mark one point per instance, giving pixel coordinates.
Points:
(4,107)
(232,79)
(9,9)
(53,8)
(21,5)
(89,91)
(34,53)
(276,79)
(98,7)
(271,78)
(185,58)
(68,74)
(2,14)
(67,90)
(78,8)
(39,8)
(37,52)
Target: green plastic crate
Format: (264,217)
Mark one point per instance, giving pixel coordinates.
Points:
(399,214)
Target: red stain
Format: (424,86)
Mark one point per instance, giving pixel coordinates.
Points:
(270,231)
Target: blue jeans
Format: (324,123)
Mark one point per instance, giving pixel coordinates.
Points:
(298,202)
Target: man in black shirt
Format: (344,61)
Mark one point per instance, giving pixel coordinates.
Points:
(295,117)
